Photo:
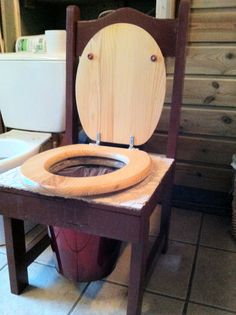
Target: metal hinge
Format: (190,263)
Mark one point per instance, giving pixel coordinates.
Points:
(98,138)
(131,142)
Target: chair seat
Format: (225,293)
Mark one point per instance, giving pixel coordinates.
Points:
(133,198)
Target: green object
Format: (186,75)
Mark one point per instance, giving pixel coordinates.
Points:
(34,44)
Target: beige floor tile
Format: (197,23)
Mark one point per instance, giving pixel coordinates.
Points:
(214,281)
(172,272)
(48,294)
(103,298)
(3,249)
(216,232)
(121,272)
(184,225)
(46,257)
(194,309)
(3,260)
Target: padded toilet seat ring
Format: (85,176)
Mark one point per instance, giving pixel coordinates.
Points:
(36,170)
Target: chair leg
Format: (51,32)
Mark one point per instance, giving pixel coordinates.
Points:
(137,274)
(16,254)
(166,210)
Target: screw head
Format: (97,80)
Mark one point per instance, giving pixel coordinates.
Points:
(153,58)
(90,56)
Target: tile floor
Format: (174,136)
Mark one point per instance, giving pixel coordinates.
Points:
(196,277)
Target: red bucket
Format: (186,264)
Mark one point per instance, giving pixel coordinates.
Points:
(82,257)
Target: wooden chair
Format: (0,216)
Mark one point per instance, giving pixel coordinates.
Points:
(86,215)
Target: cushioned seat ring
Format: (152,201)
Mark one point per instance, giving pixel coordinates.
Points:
(37,170)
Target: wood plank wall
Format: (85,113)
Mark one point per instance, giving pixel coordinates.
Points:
(11,25)
(208,123)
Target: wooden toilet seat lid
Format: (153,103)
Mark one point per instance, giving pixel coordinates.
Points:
(120,84)
(138,165)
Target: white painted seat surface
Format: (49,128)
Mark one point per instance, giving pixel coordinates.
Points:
(133,198)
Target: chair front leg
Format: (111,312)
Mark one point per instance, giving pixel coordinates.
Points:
(16,254)
(138,262)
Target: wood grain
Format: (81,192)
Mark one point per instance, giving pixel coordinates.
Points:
(137,167)
(196,149)
(204,177)
(201,4)
(209,83)
(216,91)
(215,122)
(213,26)
(120,90)
(208,60)
(11,24)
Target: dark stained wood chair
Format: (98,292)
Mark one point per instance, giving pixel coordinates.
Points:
(17,205)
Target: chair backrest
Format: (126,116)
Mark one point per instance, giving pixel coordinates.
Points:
(170,35)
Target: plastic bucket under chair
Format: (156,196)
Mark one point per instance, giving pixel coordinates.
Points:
(82,257)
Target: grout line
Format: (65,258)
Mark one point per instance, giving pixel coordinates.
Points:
(176,240)
(115,283)
(221,249)
(183,242)
(213,307)
(4,266)
(193,268)
(146,290)
(202,245)
(78,300)
(165,295)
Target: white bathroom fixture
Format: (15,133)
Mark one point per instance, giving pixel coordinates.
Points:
(32,105)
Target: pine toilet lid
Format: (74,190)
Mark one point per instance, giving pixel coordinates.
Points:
(120,85)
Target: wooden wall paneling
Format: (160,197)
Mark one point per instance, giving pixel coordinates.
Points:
(1,39)
(11,25)
(213,25)
(203,4)
(196,149)
(208,129)
(207,59)
(204,177)
(217,91)
(210,122)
